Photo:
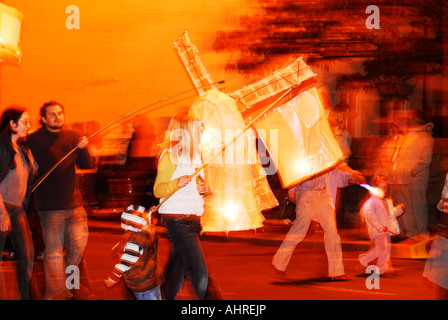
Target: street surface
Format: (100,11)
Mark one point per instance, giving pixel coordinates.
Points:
(240,265)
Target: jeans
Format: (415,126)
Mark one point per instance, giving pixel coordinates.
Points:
(62,228)
(186,258)
(152,294)
(22,242)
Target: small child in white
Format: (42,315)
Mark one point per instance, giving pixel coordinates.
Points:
(380,217)
(138,260)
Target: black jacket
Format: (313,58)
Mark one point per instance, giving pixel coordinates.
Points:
(60,190)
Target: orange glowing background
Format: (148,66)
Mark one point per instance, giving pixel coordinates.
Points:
(121,58)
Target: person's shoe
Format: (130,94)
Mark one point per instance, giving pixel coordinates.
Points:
(389,273)
(66,295)
(339,278)
(278,273)
(361,271)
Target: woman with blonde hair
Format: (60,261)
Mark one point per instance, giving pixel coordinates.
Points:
(182,211)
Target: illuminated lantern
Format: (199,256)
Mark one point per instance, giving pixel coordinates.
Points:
(235,201)
(189,55)
(296,132)
(10,42)
(306,145)
(236,178)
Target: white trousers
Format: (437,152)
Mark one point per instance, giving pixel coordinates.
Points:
(380,250)
(309,205)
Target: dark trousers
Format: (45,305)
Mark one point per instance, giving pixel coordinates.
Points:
(22,243)
(186,258)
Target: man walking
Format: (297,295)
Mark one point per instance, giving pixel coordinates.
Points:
(315,199)
(58,200)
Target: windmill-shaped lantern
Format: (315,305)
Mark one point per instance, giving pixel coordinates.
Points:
(293,128)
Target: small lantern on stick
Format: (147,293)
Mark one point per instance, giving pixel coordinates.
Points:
(11,21)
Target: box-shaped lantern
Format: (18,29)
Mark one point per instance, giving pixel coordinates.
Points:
(239,190)
(10,40)
(299,138)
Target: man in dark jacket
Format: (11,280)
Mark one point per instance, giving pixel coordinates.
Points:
(58,199)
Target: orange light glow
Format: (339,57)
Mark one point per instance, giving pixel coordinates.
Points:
(304,134)
(377,192)
(232,204)
(10,28)
(207,137)
(231,210)
(302,166)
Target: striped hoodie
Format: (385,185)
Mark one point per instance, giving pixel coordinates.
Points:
(138,261)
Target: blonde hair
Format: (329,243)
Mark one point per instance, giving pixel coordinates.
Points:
(181,139)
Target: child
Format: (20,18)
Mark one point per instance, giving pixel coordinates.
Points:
(138,262)
(380,217)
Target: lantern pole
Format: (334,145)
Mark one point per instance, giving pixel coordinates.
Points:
(205,164)
(109,125)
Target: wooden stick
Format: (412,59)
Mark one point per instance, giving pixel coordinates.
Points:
(229,144)
(110,124)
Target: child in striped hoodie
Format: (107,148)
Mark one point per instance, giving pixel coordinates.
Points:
(138,261)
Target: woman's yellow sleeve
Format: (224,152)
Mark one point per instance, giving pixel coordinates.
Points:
(164,186)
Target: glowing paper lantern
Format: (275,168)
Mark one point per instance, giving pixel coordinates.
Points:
(239,190)
(292,75)
(297,134)
(10,42)
(189,55)
(304,143)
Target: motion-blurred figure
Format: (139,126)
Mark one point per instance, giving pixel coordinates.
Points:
(340,132)
(436,267)
(344,140)
(142,141)
(138,264)
(184,207)
(380,215)
(405,159)
(315,201)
